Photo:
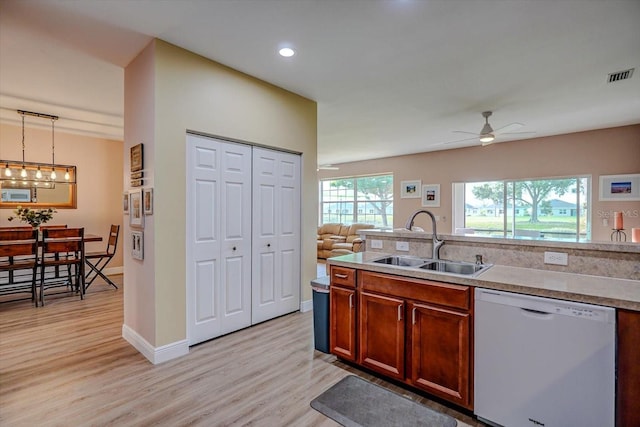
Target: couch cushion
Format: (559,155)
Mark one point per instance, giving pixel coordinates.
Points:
(355,228)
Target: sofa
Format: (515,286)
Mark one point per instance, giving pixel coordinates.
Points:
(336,239)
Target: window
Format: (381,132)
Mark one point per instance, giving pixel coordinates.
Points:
(553,209)
(366,199)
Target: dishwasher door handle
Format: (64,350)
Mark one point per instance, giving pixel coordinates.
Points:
(537,314)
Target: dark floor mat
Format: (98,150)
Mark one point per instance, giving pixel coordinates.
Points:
(354,402)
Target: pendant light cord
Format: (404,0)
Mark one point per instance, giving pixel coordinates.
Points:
(23,141)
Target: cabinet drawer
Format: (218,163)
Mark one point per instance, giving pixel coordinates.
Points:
(444,294)
(343,276)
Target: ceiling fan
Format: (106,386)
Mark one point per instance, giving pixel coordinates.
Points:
(488,135)
(327,168)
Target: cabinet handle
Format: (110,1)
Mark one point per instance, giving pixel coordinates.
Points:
(234,248)
(268,245)
(350,300)
(413,316)
(341,276)
(399,312)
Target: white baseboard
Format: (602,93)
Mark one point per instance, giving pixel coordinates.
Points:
(113,270)
(306,306)
(155,355)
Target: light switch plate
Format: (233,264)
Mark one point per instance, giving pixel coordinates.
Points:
(376,244)
(556,258)
(402,246)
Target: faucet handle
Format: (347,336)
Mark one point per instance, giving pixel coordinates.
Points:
(479,259)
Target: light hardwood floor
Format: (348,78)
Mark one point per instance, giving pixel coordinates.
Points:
(66,364)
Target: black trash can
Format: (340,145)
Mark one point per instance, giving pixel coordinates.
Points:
(320,288)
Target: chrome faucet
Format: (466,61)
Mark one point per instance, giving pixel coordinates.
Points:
(435,243)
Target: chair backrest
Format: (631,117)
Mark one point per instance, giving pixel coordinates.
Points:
(17,227)
(18,242)
(63,240)
(52,227)
(112,241)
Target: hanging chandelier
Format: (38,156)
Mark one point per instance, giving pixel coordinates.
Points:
(30,174)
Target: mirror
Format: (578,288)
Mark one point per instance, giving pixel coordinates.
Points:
(37,185)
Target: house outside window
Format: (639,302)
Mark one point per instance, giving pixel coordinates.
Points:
(364,199)
(551,209)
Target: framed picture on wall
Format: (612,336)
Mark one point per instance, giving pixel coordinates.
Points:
(410,189)
(125,203)
(136,158)
(431,195)
(136,214)
(137,245)
(147,201)
(620,188)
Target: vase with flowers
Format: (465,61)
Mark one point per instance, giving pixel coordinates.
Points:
(33,217)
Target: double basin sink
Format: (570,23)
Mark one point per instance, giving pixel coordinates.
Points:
(434,265)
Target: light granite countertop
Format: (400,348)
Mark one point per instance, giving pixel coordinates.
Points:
(611,292)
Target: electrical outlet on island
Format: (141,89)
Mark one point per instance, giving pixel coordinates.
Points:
(402,246)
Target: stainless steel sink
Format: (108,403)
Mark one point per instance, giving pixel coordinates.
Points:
(437,266)
(455,267)
(401,261)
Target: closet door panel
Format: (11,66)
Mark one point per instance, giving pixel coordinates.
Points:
(218,237)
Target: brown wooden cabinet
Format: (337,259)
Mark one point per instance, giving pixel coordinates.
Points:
(419,332)
(440,351)
(381,333)
(342,313)
(628,385)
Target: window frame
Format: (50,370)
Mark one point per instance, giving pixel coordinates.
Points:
(583,202)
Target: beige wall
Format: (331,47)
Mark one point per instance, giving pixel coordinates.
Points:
(193,93)
(99,168)
(601,152)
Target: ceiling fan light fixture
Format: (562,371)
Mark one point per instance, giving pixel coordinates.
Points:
(487,138)
(287,52)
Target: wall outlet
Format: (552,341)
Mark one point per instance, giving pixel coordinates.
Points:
(402,246)
(556,258)
(376,244)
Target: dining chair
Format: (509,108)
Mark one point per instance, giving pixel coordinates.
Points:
(63,247)
(17,228)
(18,257)
(97,261)
(53,227)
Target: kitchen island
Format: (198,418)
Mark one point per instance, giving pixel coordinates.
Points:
(403,306)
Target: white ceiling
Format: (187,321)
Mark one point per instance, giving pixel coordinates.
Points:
(390,76)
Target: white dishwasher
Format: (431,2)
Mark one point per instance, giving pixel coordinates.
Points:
(543,362)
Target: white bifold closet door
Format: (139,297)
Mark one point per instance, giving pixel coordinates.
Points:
(218,237)
(243,236)
(276,234)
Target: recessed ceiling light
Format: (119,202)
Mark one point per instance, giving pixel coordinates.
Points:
(287,52)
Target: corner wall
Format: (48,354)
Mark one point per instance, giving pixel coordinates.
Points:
(193,93)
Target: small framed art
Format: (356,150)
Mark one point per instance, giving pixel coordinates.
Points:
(620,187)
(136,158)
(410,189)
(136,214)
(125,203)
(147,199)
(431,195)
(137,245)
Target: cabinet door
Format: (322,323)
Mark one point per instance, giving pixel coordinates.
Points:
(440,352)
(381,334)
(342,315)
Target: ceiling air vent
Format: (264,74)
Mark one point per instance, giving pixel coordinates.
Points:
(620,75)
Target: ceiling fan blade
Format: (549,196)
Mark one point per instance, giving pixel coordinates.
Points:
(508,128)
(328,168)
(460,140)
(468,133)
(519,133)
